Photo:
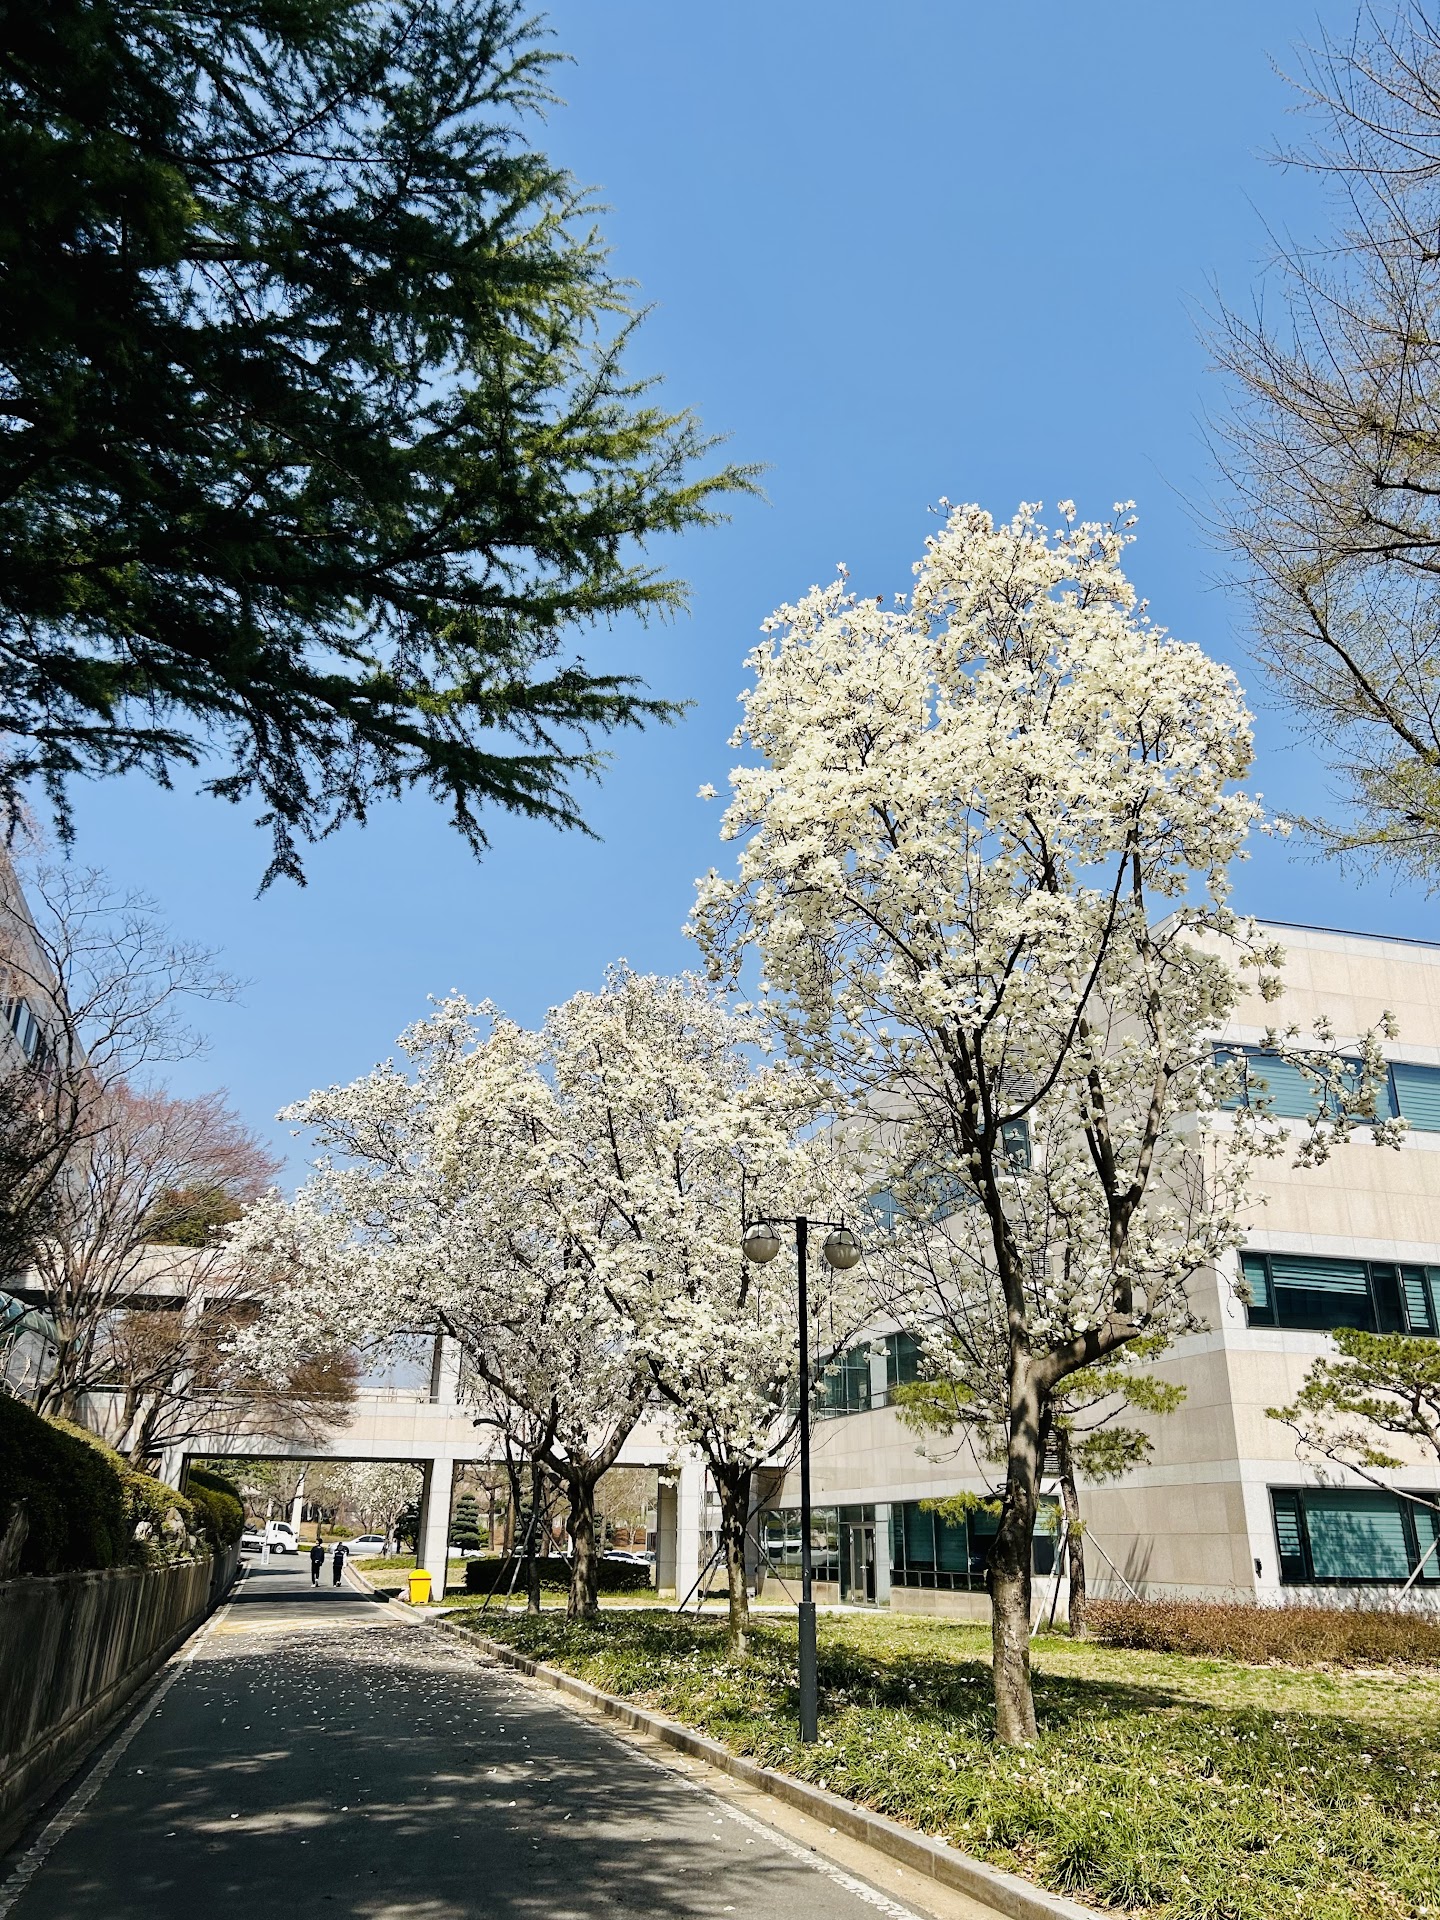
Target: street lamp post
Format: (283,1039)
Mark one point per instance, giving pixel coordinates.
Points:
(841,1250)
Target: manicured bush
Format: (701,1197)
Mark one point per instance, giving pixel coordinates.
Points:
(162,1523)
(1297,1636)
(487,1575)
(85,1508)
(72,1493)
(219,1508)
(465,1526)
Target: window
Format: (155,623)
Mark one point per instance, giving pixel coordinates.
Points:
(1378,1296)
(903,1357)
(20,1019)
(1410,1089)
(845,1383)
(1417,1094)
(1354,1537)
(935,1193)
(1265,1076)
(927,1550)
(780,1543)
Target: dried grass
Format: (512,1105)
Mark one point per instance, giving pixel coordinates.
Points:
(1343,1635)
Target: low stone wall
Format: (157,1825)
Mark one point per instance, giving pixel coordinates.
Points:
(74,1648)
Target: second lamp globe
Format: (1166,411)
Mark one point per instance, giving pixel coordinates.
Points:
(842,1249)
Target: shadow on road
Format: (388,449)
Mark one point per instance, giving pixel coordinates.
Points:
(381,1774)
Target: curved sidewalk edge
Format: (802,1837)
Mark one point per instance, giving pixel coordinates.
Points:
(1005,1893)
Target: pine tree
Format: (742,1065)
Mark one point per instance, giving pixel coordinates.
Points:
(465,1526)
(315,441)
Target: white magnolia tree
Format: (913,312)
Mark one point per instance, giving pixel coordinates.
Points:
(722,1336)
(567,1204)
(987,829)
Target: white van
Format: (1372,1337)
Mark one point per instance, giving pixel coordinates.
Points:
(277,1535)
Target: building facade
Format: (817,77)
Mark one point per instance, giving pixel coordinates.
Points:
(1224,1508)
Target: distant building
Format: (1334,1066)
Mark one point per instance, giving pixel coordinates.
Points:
(1224,1508)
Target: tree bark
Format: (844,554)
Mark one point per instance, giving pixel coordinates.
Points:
(733,1486)
(1009,1570)
(532,1538)
(1074,1533)
(584,1601)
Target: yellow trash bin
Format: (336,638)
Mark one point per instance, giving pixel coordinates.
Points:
(419,1588)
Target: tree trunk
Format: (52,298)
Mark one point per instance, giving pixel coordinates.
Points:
(733,1486)
(532,1538)
(1009,1570)
(584,1601)
(1074,1534)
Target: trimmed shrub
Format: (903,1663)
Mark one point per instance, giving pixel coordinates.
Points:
(71,1491)
(219,1509)
(162,1523)
(466,1528)
(488,1575)
(1294,1636)
(84,1507)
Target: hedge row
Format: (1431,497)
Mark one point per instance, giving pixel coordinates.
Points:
(494,1575)
(85,1508)
(1343,1635)
(218,1506)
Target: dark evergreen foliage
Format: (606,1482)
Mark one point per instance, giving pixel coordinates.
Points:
(73,1495)
(315,441)
(219,1507)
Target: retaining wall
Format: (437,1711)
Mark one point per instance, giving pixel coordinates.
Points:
(74,1648)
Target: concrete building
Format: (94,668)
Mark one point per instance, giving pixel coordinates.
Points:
(1224,1508)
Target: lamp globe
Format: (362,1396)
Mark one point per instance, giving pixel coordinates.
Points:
(842,1249)
(761,1242)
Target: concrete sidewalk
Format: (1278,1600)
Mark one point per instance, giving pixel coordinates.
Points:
(317,1751)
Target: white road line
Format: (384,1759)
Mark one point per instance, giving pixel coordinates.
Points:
(31,1861)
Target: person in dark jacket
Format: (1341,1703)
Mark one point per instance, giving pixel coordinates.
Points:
(337,1565)
(317,1560)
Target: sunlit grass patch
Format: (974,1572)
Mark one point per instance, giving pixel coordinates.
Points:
(1164,1785)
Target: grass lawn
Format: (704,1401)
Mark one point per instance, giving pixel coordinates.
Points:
(1161,1784)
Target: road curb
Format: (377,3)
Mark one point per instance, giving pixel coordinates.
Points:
(417,1616)
(1005,1893)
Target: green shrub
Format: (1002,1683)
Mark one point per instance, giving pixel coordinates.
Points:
(86,1508)
(72,1492)
(161,1523)
(1294,1636)
(487,1575)
(465,1524)
(219,1509)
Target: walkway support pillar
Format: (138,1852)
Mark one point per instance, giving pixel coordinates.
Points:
(690,1525)
(434,1551)
(667,1537)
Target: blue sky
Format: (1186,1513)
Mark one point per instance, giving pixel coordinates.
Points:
(895,253)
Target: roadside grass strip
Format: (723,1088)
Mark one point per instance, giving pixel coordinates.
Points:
(1162,1785)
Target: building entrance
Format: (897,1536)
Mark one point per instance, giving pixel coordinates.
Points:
(857,1555)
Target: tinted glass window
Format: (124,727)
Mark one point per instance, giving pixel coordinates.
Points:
(1378,1296)
(1417,1094)
(1351,1536)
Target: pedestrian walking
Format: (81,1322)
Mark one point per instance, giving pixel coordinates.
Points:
(337,1565)
(317,1561)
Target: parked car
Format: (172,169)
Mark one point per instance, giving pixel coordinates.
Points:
(630,1559)
(369,1544)
(278,1534)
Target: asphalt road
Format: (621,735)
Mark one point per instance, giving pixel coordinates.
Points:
(315,1752)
